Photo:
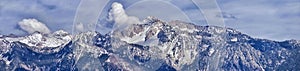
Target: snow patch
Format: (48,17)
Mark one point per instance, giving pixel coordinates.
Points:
(40,43)
(211,51)
(136,38)
(234,39)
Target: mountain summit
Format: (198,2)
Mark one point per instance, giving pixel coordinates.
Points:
(153,45)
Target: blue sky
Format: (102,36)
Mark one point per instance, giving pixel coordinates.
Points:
(270,19)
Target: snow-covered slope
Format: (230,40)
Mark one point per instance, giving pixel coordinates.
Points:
(153,45)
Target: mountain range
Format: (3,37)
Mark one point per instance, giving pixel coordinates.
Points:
(154,45)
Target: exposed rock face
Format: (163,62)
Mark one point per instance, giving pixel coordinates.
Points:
(154,45)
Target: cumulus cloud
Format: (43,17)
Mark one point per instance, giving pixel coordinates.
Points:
(119,16)
(33,25)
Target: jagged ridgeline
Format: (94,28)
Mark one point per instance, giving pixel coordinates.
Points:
(153,45)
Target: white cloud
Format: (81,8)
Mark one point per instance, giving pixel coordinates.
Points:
(32,25)
(119,16)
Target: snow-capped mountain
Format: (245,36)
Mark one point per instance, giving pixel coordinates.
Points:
(153,45)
